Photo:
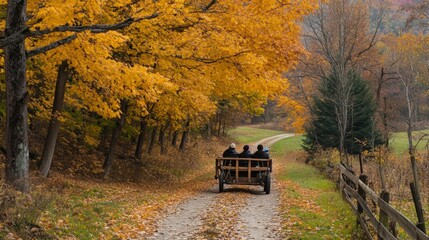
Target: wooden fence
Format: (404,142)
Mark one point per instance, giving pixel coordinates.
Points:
(355,192)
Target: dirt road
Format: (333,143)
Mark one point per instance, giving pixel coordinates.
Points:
(243,212)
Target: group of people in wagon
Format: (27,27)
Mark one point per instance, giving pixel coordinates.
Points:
(261,153)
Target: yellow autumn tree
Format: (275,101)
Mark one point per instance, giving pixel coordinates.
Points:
(233,52)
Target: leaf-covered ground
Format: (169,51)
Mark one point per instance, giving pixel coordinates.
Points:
(303,205)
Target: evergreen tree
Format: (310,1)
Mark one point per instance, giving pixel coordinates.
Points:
(322,129)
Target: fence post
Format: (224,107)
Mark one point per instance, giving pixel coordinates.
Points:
(361,192)
(392,228)
(384,218)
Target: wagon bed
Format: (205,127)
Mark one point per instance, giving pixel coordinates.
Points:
(244,171)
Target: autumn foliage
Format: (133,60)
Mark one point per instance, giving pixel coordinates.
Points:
(150,69)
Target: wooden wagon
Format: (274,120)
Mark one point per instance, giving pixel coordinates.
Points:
(244,171)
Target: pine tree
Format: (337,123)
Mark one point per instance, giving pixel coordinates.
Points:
(322,130)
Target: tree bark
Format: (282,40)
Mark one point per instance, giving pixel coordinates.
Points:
(184,136)
(162,139)
(219,125)
(162,132)
(411,151)
(142,135)
(54,125)
(152,140)
(419,208)
(174,140)
(108,162)
(17,159)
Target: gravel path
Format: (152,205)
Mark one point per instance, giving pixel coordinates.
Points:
(243,212)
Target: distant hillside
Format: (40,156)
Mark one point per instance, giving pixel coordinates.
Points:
(401,2)
(396,19)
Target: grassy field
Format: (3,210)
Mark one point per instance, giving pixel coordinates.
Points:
(247,134)
(399,141)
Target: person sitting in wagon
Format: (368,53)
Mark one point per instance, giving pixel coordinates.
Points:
(230,152)
(261,154)
(267,151)
(245,154)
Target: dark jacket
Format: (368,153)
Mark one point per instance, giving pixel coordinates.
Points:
(245,154)
(230,152)
(260,154)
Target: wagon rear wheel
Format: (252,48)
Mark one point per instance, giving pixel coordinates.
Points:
(221,181)
(267,184)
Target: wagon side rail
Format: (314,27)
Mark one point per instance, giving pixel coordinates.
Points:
(266,165)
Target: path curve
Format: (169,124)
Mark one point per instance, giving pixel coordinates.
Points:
(258,219)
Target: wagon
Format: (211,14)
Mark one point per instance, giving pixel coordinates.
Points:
(244,171)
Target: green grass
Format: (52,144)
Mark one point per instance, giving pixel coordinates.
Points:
(246,134)
(334,218)
(399,141)
(83,216)
(287,145)
(308,177)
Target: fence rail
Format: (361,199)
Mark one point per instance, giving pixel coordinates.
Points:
(348,184)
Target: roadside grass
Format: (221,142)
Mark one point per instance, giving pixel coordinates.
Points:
(311,205)
(286,145)
(90,211)
(94,210)
(248,134)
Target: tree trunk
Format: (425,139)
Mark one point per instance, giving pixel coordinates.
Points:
(219,125)
(54,125)
(411,151)
(223,127)
(162,132)
(108,162)
(162,139)
(207,132)
(139,148)
(152,140)
(17,159)
(184,136)
(174,140)
(385,148)
(419,208)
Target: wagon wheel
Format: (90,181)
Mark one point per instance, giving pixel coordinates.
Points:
(267,184)
(221,181)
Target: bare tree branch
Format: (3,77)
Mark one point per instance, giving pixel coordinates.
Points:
(51,46)
(97,28)
(16,37)
(373,39)
(211,3)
